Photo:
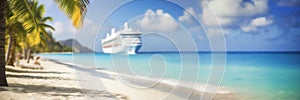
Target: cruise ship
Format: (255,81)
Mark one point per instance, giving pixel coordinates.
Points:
(124,41)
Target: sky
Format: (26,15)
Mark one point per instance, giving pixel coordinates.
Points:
(189,25)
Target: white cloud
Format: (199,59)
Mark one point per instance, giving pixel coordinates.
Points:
(215,31)
(261,21)
(59,28)
(157,21)
(233,8)
(62,30)
(248,28)
(65,29)
(228,12)
(257,22)
(187,16)
(208,18)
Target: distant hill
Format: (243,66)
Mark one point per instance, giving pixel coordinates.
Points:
(77,47)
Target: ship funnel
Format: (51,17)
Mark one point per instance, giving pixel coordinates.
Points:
(107,35)
(113,30)
(126,26)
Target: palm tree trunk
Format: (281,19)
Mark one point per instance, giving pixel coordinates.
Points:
(7,56)
(11,52)
(24,46)
(3,5)
(24,53)
(28,55)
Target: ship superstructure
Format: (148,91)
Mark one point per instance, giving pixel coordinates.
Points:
(127,41)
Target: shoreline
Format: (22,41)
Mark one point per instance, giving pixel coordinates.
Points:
(86,82)
(162,86)
(99,80)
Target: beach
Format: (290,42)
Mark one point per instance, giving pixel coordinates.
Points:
(149,50)
(276,74)
(60,81)
(55,81)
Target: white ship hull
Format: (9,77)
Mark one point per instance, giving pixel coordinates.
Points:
(122,49)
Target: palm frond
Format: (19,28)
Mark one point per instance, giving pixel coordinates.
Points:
(33,38)
(74,9)
(23,10)
(46,26)
(45,19)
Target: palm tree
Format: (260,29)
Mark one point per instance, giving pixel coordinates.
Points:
(3,5)
(13,26)
(74,9)
(40,35)
(15,29)
(25,12)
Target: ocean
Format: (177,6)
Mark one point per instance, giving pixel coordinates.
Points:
(252,75)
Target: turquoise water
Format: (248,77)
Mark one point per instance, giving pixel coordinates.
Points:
(259,76)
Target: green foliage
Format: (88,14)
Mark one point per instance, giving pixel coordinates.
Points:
(22,9)
(74,9)
(57,47)
(52,46)
(31,17)
(26,21)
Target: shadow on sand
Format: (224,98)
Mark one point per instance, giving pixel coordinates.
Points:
(36,77)
(54,91)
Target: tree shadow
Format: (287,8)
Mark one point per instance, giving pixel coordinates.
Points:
(36,77)
(55,91)
(3,89)
(25,71)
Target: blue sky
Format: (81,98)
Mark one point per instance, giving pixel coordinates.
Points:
(193,25)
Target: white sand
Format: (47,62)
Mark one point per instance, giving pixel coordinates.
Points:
(58,81)
(62,81)
(89,78)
